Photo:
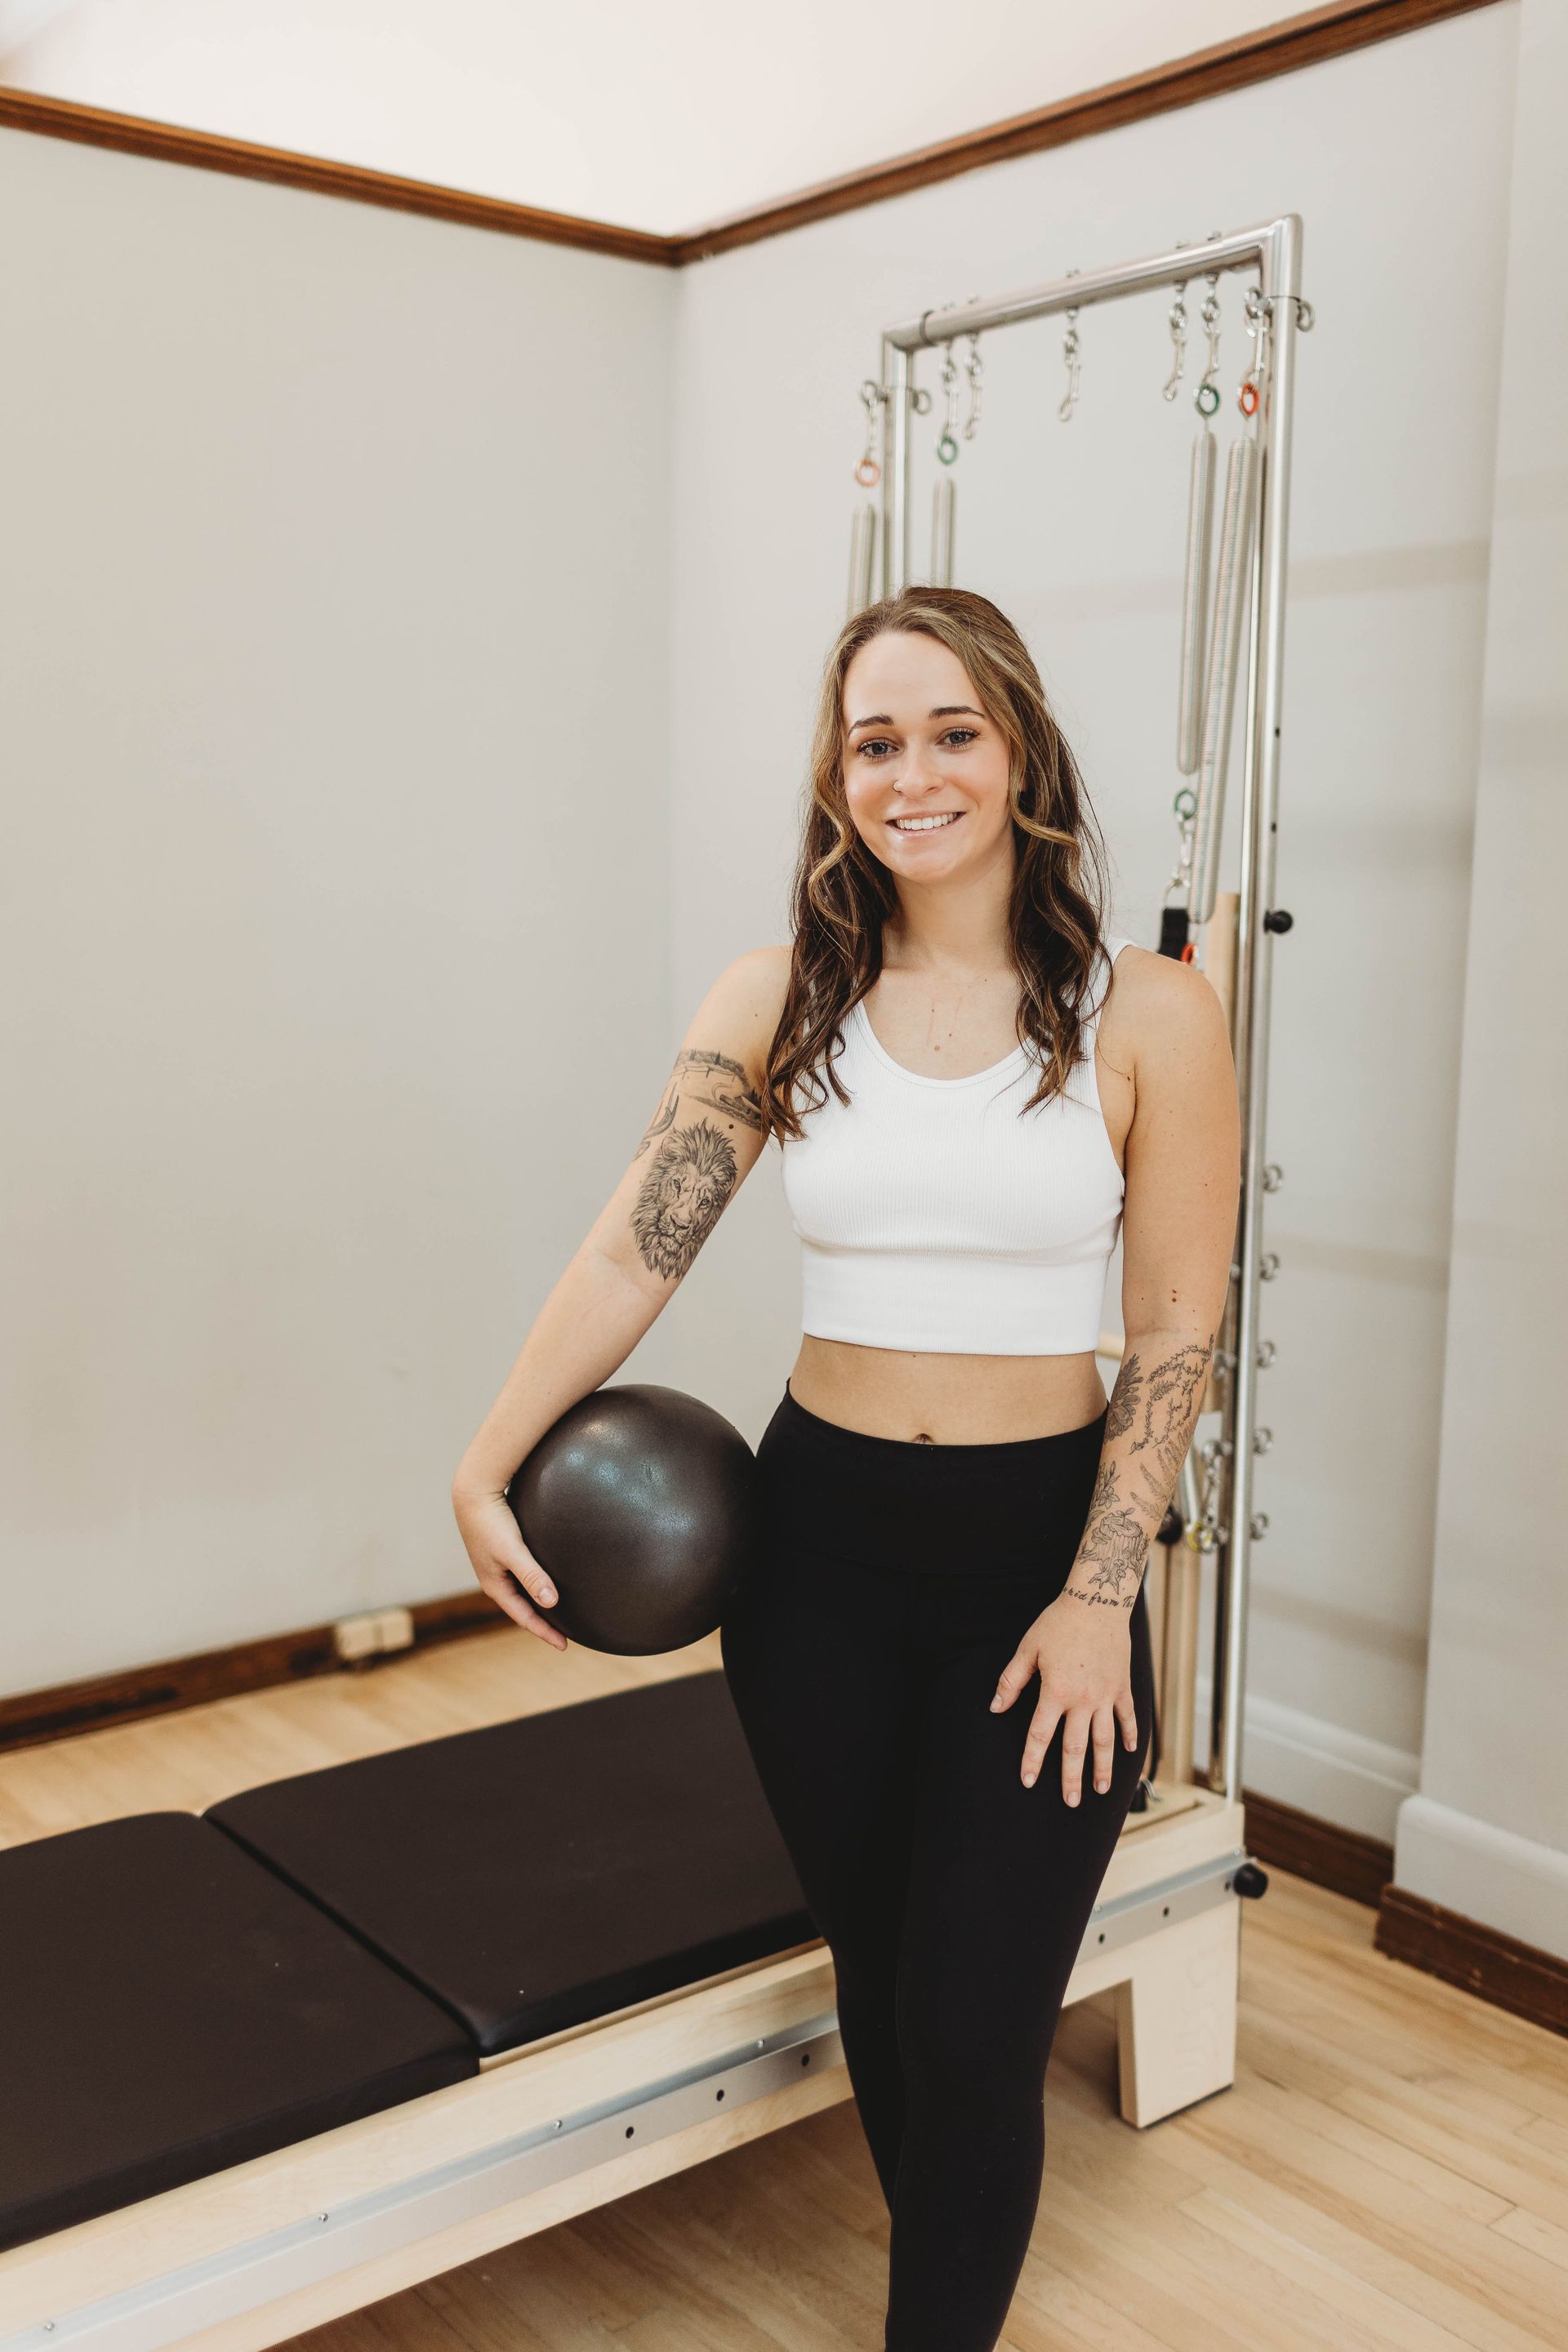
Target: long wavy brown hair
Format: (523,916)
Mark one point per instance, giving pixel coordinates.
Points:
(842,894)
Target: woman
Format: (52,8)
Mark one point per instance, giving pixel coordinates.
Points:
(972,1096)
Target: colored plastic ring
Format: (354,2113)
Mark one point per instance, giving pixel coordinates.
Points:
(947,448)
(1187,801)
(1246,398)
(1207,399)
(866,472)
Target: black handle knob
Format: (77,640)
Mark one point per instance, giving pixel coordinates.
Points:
(1249,1880)
(1279,919)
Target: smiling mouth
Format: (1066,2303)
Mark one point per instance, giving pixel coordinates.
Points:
(926,824)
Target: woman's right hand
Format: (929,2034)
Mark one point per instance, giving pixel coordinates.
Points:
(506,1569)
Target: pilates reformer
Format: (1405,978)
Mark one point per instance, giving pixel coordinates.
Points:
(347,2030)
(263,2065)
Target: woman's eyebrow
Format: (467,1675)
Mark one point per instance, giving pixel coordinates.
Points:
(942,710)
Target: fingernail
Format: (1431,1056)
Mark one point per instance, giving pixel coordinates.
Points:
(1028,1780)
(995,1705)
(1100,1787)
(548,1596)
(1072,1797)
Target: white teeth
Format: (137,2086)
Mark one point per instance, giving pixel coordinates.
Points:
(925,824)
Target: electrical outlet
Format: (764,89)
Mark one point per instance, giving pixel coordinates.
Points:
(371,1633)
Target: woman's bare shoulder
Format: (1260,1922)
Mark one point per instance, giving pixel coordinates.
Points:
(742,1009)
(1160,1010)
(767,967)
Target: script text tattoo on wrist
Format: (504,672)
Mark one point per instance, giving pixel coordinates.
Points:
(1110,1550)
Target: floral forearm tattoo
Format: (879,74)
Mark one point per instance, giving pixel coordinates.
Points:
(1155,1410)
(694,1169)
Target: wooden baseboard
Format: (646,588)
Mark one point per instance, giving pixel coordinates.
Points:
(32,1717)
(1322,1852)
(1464,1952)
(1476,1957)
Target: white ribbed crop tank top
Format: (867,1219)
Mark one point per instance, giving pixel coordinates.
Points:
(933,1216)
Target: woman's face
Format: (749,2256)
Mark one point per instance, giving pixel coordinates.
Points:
(918,745)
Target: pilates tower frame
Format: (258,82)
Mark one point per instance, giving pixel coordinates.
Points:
(1274,249)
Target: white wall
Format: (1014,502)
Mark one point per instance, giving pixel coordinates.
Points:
(1487,1834)
(332,664)
(1398,160)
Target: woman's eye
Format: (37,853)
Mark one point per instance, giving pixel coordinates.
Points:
(960,738)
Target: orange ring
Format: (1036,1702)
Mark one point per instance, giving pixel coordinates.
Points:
(866,472)
(1248,397)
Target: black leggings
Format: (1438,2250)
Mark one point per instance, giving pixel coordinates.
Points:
(862,1656)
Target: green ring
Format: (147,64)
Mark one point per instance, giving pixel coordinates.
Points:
(1191,799)
(947,448)
(1207,399)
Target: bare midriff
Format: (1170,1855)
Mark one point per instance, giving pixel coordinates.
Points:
(942,1399)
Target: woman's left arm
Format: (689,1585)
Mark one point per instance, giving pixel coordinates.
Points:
(1182,1182)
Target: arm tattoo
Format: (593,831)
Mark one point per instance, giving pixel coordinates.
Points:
(1120,1414)
(1159,1407)
(713,1080)
(682,1198)
(1112,1550)
(721,1084)
(663,1117)
(1168,1406)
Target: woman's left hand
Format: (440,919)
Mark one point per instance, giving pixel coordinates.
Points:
(1083,1656)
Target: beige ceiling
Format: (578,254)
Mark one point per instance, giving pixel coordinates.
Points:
(662,117)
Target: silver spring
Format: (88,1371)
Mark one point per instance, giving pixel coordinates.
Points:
(947,440)
(1179,341)
(1195,605)
(972,370)
(1220,693)
(945,496)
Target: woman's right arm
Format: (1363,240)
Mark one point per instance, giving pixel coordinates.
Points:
(700,1144)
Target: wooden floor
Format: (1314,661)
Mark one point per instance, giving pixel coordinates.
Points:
(1390,2168)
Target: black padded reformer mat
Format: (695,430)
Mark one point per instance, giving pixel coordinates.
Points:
(534,1874)
(168,2007)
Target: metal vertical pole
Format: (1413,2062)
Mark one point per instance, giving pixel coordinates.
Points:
(896,372)
(1281,272)
(1241,1027)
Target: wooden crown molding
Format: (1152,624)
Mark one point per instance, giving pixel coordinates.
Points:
(169,142)
(1279,48)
